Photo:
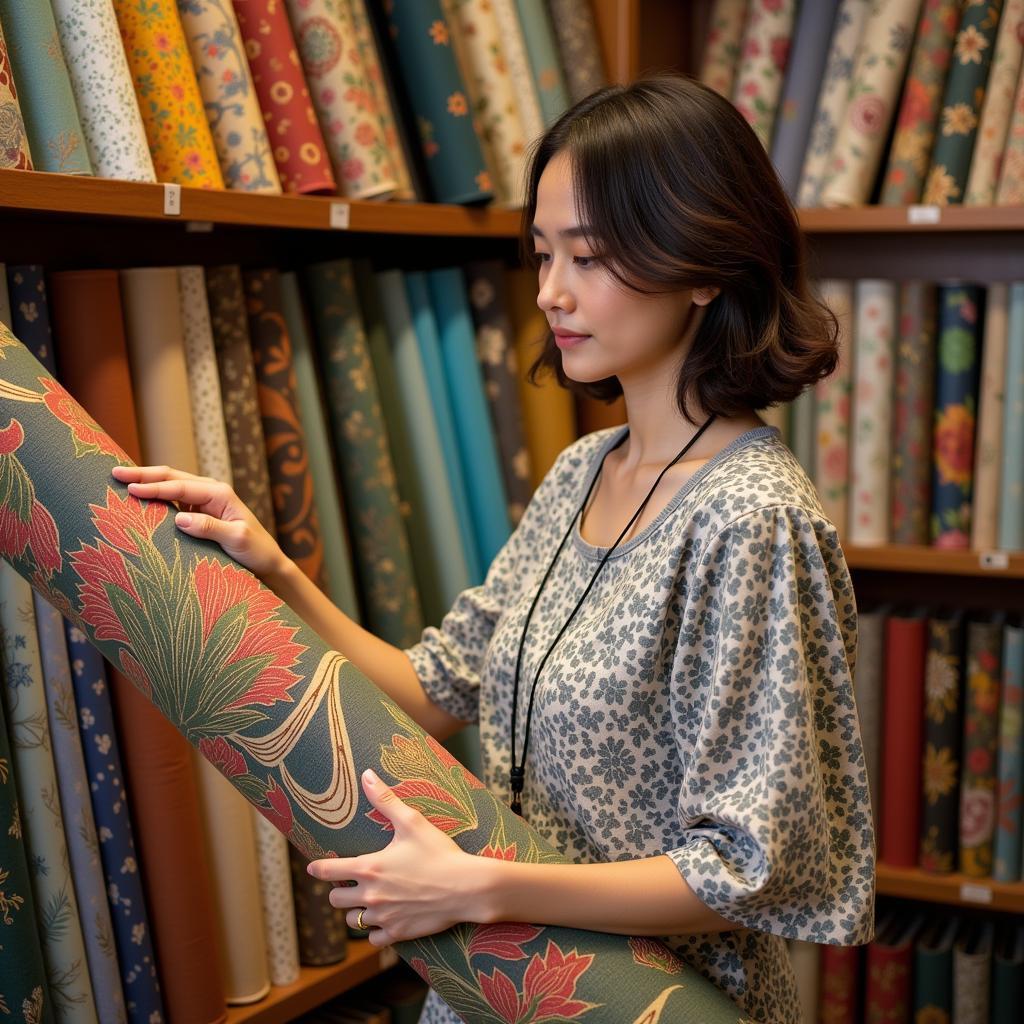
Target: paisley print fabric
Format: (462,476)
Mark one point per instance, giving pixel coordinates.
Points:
(14,151)
(693,636)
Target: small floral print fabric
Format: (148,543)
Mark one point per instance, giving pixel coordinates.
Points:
(14,152)
(919,108)
(229,96)
(699,706)
(874,93)
(764,55)
(722,46)
(961,103)
(169,99)
(578,46)
(1010,191)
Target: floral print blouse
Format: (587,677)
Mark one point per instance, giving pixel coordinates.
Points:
(700,705)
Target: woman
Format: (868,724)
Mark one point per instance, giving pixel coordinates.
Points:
(673,619)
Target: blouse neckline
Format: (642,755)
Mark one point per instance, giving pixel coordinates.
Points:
(592,551)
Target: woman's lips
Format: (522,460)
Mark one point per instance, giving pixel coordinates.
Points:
(564,341)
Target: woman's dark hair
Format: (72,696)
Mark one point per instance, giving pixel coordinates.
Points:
(680,193)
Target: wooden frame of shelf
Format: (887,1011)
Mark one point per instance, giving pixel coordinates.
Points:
(955,889)
(936,561)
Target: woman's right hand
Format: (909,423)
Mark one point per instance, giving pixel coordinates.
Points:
(210,511)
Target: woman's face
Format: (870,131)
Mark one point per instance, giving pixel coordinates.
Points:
(602,328)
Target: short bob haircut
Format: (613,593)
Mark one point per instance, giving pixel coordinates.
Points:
(679,193)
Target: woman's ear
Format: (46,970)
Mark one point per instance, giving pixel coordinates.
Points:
(703,296)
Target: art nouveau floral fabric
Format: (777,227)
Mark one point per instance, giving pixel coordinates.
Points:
(269,705)
(693,637)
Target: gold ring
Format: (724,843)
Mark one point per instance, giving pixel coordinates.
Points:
(359,920)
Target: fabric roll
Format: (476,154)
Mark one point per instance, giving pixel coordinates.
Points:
(875,325)
(323,934)
(229,96)
(723,44)
(764,56)
(542,51)
(310,406)
(132,933)
(913,408)
(104,94)
(988,449)
(480,50)
(230,840)
(524,88)
(30,311)
(833,98)
(1011,482)
(442,571)
(272,715)
(802,443)
(45,96)
(997,108)
(578,46)
(170,102)
(22,969)
(188,956)
(441,400)
(478,448)
(956,406)
(779,417)
(1010,191)
(14,148)
(298,527)
(832,450)
(246,444)
(380,93)
(5,299)
(76,810)
(277,902)
(972,966)
(874,93)
(548,413)
(496,352)
(1006,861)
(961,104)
(390,602)
(806,960)
(24,701)
(437,95)
(338,83)
(869,680)
(296,141)
(801,87)
(918,115)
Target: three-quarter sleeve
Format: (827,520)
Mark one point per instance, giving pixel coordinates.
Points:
(774,801)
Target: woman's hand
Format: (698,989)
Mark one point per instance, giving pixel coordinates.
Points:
(420,884)
(211,511)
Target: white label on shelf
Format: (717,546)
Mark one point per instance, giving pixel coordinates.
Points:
(971,893)
(388,957)
(994,560)
(340,216)
(919,214)
(172,200)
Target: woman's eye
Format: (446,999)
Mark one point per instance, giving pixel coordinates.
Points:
(584,261)
(540,257)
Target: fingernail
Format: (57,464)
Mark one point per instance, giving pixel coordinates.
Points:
(311,870)
(370,777)
(183,519)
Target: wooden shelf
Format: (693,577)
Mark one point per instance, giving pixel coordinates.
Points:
(959,890)
(69,194)
(902,558)
(316,985)
(860,220)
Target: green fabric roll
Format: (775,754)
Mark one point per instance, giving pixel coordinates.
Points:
(391,603)
(264,699)
(44,88)
(341,584)
(23,986)
(543,54)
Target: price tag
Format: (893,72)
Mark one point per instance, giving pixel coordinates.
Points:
(970,893)
(919,214)
(172,200)
(340,213)
(994,560)
(388,957)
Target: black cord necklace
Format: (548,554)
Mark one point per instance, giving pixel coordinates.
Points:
(517,775)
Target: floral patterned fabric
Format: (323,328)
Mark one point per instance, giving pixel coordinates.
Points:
(13,138)
(722,46)
(922,97)
(692,638)
(1006,865)
(1011,477)
(1011,176)
(257,691)
(549,80)
(578,46)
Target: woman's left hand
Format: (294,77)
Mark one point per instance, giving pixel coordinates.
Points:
(420,884)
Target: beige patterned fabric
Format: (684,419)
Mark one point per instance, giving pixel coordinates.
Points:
(523,82)
(277,903)
(722,46)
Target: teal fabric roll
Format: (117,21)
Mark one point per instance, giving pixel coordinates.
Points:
(437,95)
(338,559)
(477,446)
(25,706)
(44,88)
(446,558)
(391,603)
(23,987)
(433,366)
(1011,496)
(1010,781)
(802,419)
(542,51)
(76,808)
